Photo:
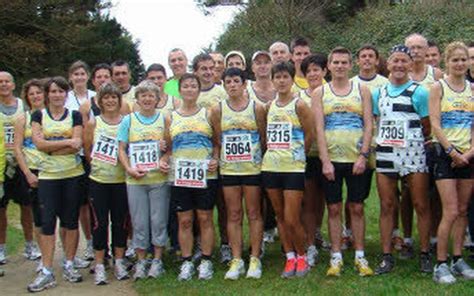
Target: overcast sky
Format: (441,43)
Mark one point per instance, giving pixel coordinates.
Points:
(161,25)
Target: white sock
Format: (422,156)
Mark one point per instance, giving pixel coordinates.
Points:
(118,261)
(408,241)
(290,255)
(359,254)
(337,255)
(433,240)
(89,243)
(396,233)
(46,271)
(68,263)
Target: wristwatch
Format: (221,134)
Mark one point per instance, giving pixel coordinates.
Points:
(449,149)
(365,154)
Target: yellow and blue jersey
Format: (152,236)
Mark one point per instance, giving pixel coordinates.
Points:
(343,123)
(32,155)
(285,140)
(457,115)
(241,153)
(210,97)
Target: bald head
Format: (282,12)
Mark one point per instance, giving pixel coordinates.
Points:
(418,46)
(280,52)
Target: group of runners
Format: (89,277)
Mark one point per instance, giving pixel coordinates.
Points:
(145,165)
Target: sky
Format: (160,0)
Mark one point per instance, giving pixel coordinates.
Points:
(161,25)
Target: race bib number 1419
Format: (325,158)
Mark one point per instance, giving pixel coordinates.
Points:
(190,173)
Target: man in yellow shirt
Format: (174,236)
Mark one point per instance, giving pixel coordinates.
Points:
(299,48)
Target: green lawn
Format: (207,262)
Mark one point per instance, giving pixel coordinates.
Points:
(405,280)
(15,239)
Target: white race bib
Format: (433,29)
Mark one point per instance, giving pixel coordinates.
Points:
(392,133)
(105,149)
(237,148)
(144,155)
(190,173)
(9,131)
(279,136)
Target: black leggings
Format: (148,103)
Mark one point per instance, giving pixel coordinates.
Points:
(108,199)
(59,198)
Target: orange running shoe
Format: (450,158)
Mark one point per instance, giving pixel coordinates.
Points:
(290,268)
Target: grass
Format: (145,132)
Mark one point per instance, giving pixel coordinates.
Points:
(15,240)
(404,280)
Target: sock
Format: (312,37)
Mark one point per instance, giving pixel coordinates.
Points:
(396,233)
(156,260)
(28,243)
(68,263)
(205,257)
(290,255)
(189,258)
(408,241)
(89,243)
(46,271)
(456,258)
(441,262)
(337,255)
(2,247)
(359,254)
(119,261)
(433,240)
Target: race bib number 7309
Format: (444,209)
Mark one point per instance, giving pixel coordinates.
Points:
(392,133)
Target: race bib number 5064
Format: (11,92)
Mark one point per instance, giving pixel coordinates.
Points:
(279,135)
(190,173)
(237,148)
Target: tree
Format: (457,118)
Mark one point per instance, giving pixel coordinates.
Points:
(42,38)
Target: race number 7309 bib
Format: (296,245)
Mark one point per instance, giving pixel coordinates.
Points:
(190,173)
(392,133)
(279,135)
(144,155)
(238,147)
(105,149)
(9,131)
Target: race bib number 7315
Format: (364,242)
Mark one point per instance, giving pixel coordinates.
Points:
(279,135)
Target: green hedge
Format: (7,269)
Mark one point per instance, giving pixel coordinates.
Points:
(382,24)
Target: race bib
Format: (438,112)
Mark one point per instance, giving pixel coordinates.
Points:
(190,173)
(9,131)
(106,150)
(237,148)
(279,136)
(392,133)
(144,155)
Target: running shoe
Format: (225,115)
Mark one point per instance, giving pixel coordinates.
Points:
(197,252)
(88,252)
(157,269)
(226,253)
(71,274)
(269,236)
(3,256)
(290,268)
(42,282)
(121,271)
(130,253)
(186,271)
(140,270)
(205,270)
(407,252)
(39,267)
(302,266)
(386,265)
(335,267)
(442,274)
(426,265)
(80,263)
(397,243)
(461,268)
(255,268)
(100,276)
(236,269)
(31,251)
(312,255)
(362,266)
(320,242)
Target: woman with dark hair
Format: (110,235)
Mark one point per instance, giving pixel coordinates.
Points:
(57,132)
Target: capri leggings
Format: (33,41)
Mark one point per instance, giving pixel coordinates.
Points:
(59,198)
(105,200)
